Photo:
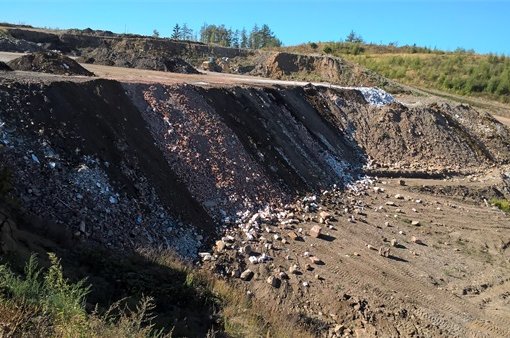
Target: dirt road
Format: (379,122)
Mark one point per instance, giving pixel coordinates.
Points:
(446,276)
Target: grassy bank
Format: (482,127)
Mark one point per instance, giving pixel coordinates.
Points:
(459,72)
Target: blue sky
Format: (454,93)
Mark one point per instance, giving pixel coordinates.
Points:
(480,25)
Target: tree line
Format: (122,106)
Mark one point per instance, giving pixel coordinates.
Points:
(257,37)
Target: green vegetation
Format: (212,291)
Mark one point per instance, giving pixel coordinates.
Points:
(502,204)
(46,304)
(459,72)
(259,37)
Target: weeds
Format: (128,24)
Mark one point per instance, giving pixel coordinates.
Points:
(47,304)
(501,203)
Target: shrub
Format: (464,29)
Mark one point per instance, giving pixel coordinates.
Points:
(47,304)
(502,204)
(327,50)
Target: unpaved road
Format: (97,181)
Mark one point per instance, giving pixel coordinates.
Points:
(456,283)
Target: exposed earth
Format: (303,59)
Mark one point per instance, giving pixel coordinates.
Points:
(348,210)
(48,62)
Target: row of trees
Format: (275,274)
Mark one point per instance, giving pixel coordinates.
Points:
(258,37)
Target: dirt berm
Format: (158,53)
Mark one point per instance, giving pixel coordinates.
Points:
(134,51)
(49,62)
(147,165)
(4,67)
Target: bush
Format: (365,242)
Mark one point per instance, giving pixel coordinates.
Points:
(47,304)
(327,50)
(502,204)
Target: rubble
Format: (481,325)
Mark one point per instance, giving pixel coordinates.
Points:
(316,231)
(246,275)
(384,251)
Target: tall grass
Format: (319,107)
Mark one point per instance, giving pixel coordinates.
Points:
(44,303)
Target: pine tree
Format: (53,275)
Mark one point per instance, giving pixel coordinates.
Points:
(176,32)
(244,38)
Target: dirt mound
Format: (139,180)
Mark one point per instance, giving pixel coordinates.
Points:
(49,62)
(139,60)
(288,66)
(9,44)
(4,67)
(428,138)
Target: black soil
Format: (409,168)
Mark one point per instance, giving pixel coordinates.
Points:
(49,62)
(4,67)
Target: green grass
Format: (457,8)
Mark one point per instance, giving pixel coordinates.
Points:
(502,204)
(44,303)
(465,74)
(460,72)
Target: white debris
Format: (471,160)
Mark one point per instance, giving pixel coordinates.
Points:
(375,96)
(35,159)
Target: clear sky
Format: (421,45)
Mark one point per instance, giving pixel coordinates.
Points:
(471,24)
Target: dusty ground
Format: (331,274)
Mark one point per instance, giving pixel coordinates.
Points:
(454,284)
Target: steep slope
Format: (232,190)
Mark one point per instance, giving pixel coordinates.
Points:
(135,165)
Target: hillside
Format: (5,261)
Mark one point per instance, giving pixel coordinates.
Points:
(460,72)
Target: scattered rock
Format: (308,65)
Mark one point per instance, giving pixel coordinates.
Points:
(416,223)
(246,275)
(384,251)
(247,249)
(283,275)
(315,232)
(416,240)
(273,281)
(292,235)
(220,245)
(294,269)
(316,260)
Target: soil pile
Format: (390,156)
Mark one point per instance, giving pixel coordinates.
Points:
(430,138)
(184,154)
(10,44)
(49,62)
(139,60)
(4,67)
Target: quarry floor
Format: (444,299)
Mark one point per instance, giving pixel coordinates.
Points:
(450,280)
(456,283)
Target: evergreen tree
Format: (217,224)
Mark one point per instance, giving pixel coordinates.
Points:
(176,32)
(244,39)
(235,39)
(186,32)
